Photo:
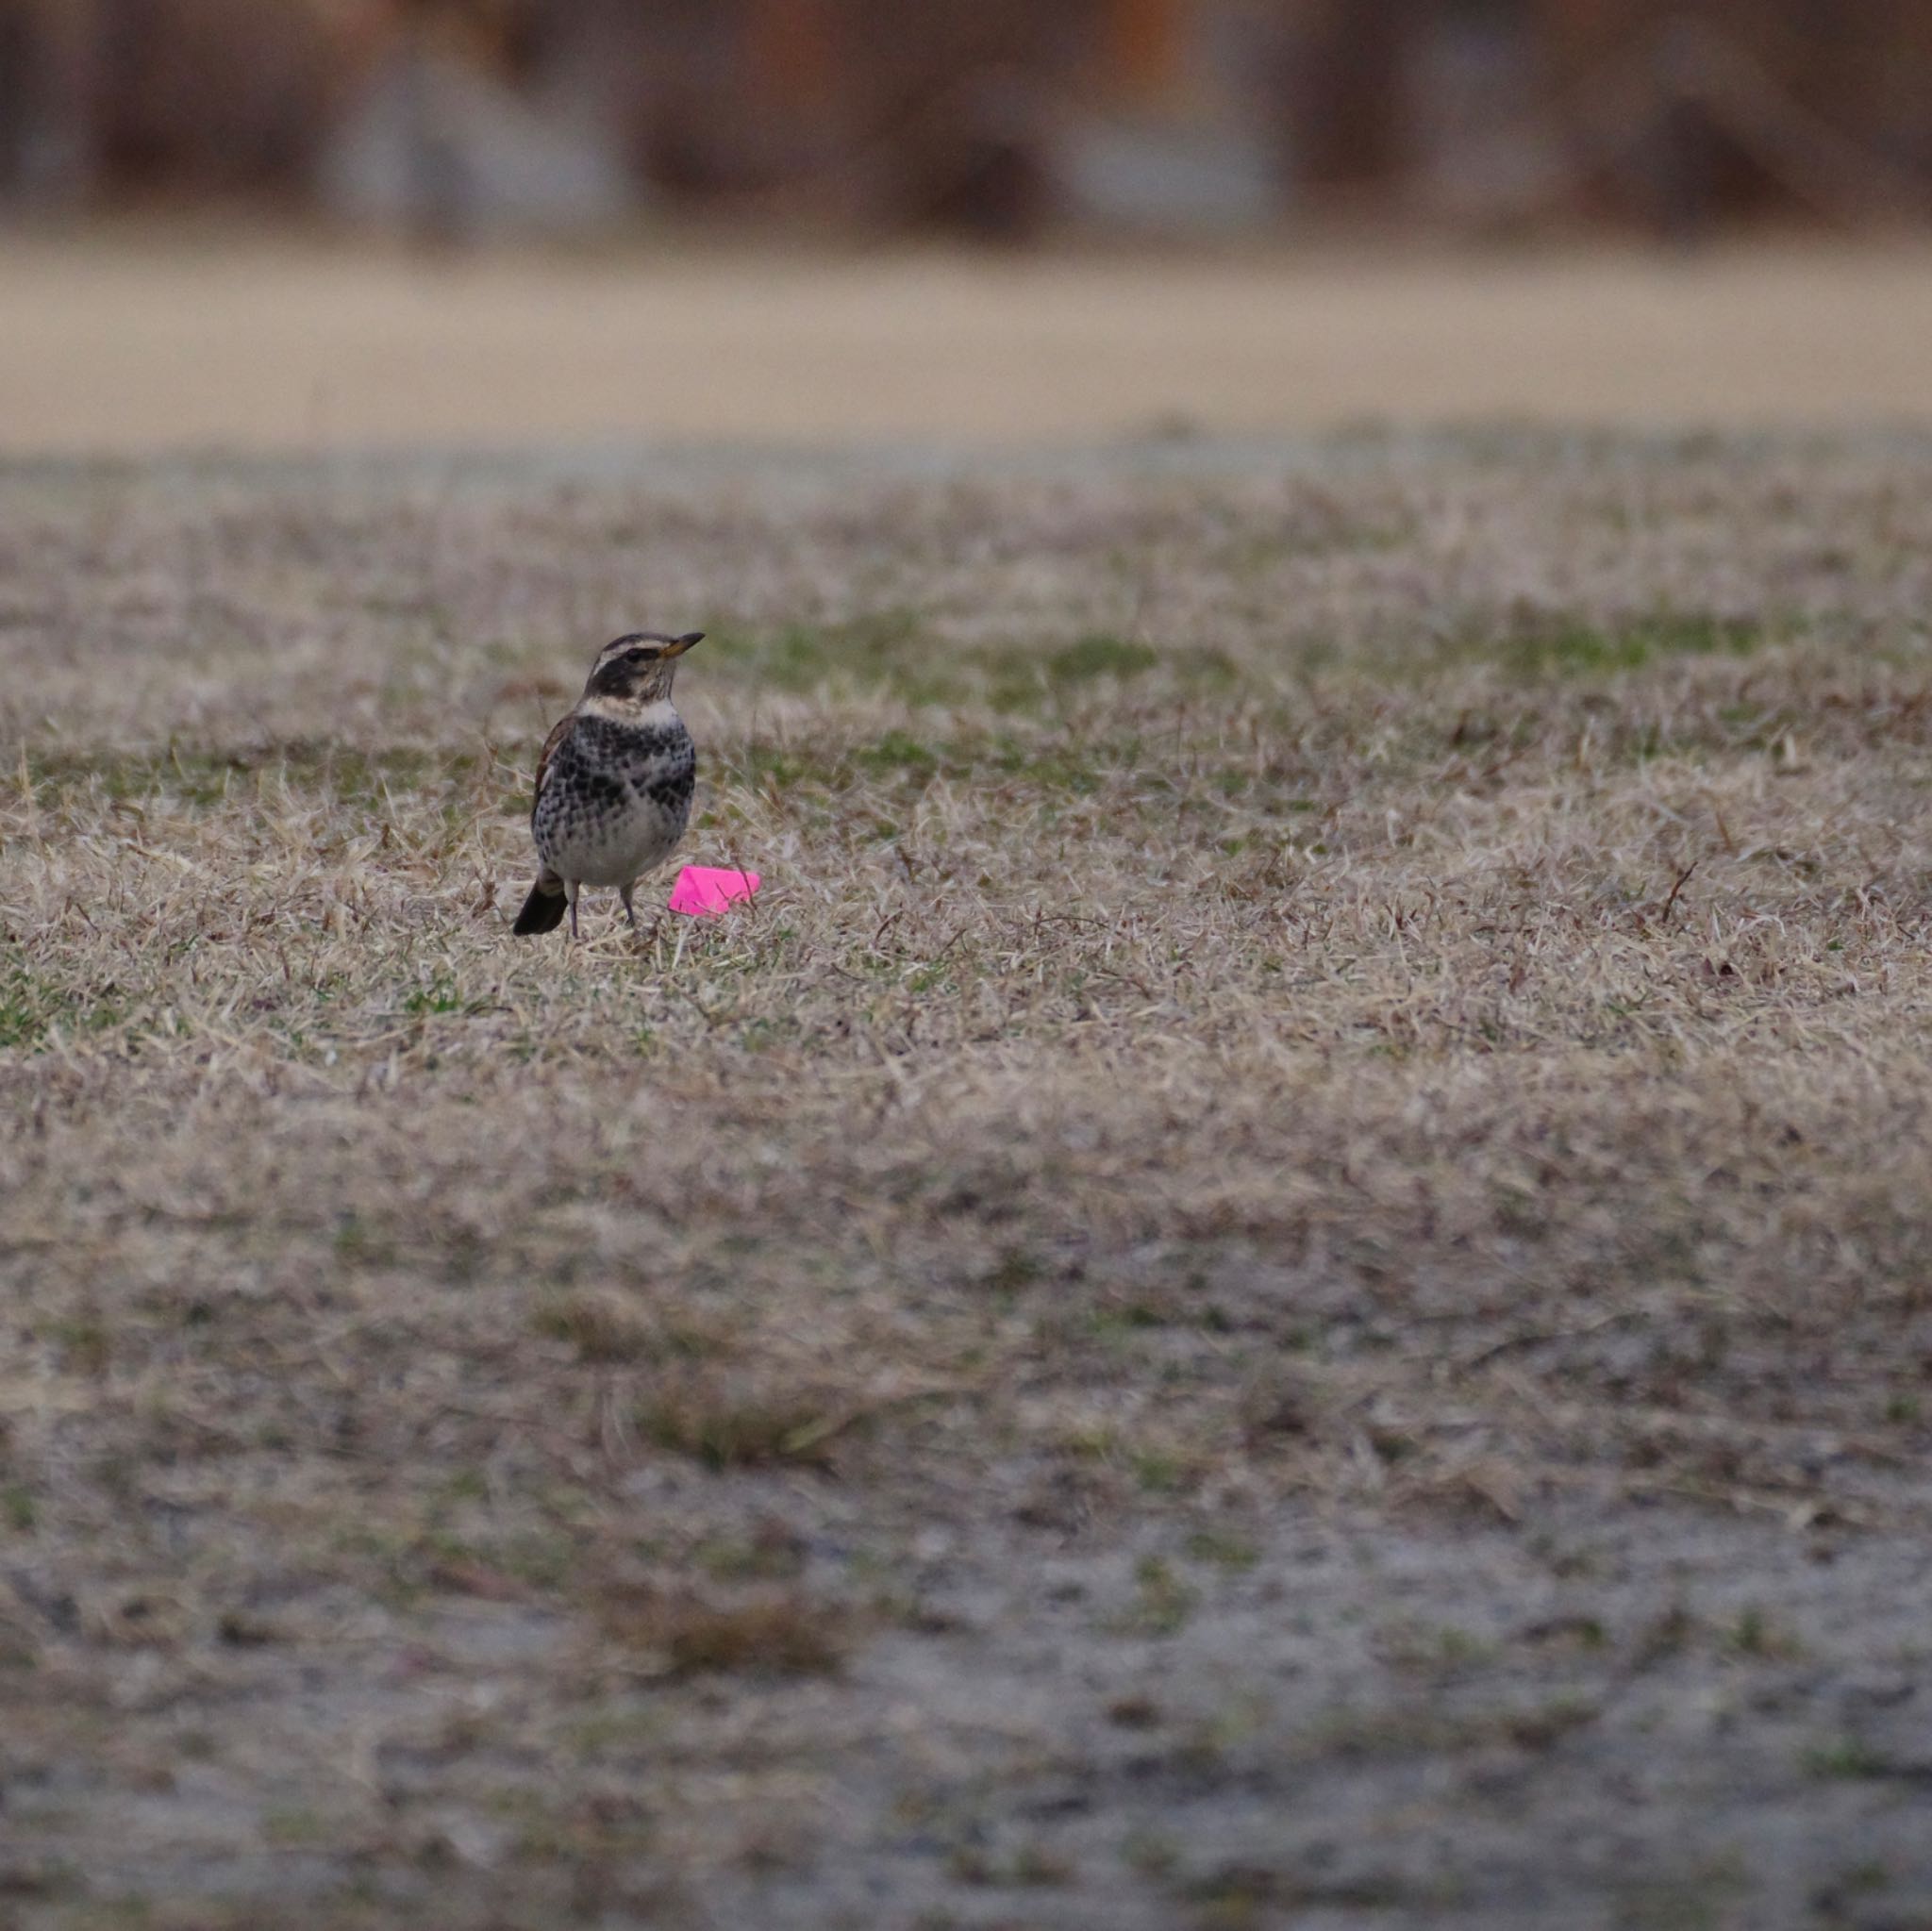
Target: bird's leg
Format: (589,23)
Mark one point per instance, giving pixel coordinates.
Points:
(572,887)
(630,911)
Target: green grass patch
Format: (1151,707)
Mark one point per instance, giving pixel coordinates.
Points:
(1051,763)
(894,653)
(204,779)
(31,1007)
(1100,656)
(896,752)
(1571,648)
(1849,1758)
(883,650)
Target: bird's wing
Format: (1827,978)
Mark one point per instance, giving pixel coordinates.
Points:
(559,732)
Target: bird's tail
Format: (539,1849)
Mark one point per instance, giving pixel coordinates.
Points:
(544,908)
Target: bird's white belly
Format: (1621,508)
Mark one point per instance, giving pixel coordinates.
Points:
(614,851)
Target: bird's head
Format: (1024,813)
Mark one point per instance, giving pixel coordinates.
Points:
(638,668)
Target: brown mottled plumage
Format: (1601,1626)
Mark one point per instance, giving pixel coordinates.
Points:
(613,781)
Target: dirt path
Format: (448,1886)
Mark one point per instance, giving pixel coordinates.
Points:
(106,346)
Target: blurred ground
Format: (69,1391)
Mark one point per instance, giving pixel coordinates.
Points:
(108,346)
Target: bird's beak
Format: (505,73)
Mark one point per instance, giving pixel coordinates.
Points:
(682,645)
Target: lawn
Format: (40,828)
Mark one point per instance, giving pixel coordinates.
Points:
(1282,1275)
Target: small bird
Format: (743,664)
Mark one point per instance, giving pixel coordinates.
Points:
(614,782)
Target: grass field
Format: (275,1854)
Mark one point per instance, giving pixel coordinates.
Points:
(1282,1278)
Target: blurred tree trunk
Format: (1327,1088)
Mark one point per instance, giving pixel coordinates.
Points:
(1910,83)
(441,214)
(50,100)
(1349,104)
(792,56)
(1145,40)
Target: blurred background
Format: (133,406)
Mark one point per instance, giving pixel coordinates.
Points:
(1255,214)
(1002,120)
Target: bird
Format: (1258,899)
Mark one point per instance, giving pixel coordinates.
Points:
(613,781)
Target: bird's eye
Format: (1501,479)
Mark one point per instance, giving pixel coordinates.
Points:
(635,657)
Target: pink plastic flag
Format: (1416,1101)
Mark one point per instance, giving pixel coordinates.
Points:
(703,892)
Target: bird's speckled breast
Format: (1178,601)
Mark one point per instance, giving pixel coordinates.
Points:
(616,799)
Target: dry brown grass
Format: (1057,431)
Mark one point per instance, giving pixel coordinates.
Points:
(766,1632)
(1395,986)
